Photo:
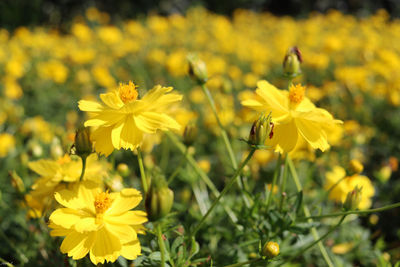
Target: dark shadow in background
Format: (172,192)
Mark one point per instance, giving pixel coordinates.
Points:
(15,13)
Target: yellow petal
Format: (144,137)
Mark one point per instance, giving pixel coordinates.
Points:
(155,93)
(106,247)
(112,100)
(274,100)
(285,135)
(125,200)
(58,230)
(150,122)
(131,250)
(313,133)
(106,118)
(46,168)
(77,245)
(102,138)
(87,224)
(124,233)
(129,217)
(65,217)
(90,106)
(131,135)
(116,134)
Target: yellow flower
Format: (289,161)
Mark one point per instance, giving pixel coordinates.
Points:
(55,174)
(7,143)
(123,119)
(99,223)
(294,115)
(347,184)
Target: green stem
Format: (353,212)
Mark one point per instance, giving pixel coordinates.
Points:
(5,263)
(283,184)
(314,231)
(319,239)
(178,169)
(276,173)
(142,172)
(21,255)
(388,207)
(161,244)
(224,191)
(83,168)
(245,262)
(192,162)
(223,132)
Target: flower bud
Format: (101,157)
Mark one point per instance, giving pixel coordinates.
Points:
(189,134)
(270,250)
(291,62)
(353,199)
(123,169)
(356,166)
(159,198)
(197,69)
(17,182)
(83,144)
(260,130)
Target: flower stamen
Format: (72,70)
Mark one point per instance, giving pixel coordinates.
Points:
(127,92)
(296,93)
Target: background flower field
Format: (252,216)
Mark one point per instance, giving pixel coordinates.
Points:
(351,67)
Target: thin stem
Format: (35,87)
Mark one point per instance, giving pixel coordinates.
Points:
(83,168)
(142,171)
(319,239)
(223,132)
(5,263)
(224,191)
(276,173)
(314,231)
(192,162)
(178,169)
(388,207)
(21,255)
(283,184)
(245,262)
(161,244)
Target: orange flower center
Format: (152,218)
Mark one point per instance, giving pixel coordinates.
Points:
(296,93)
(127,92)
(102,202)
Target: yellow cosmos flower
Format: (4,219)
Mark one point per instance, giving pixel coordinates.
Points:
(340,191)
(294,115)
(99,223)
(123,119)
(54,174)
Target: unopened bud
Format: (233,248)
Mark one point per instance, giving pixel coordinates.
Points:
(197,69)
(270,250)
(159,198)
(356,166)
(260,130)
(123,169)
(83,144)
(189,134)
(17,182)
(353,199)
(291,62)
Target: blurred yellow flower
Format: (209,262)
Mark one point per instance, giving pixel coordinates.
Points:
(99,223)
(54,174)
(7,143)
(347,184)
(123,119)
(294,115)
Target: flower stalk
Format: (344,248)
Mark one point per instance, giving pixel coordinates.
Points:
(224,191)
(142,171)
